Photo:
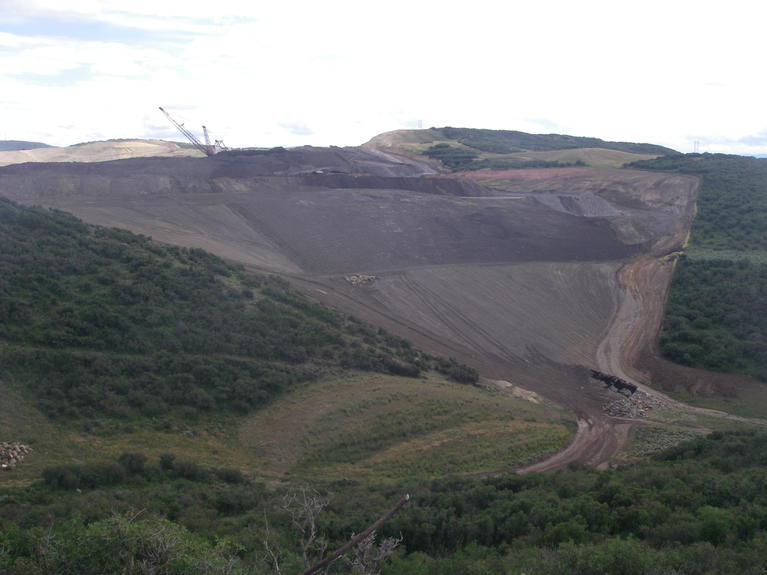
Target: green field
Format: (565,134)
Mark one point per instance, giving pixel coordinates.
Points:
(379,427)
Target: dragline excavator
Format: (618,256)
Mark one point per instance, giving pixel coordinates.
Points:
(207,148)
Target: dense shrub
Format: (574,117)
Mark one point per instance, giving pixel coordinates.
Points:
(87,476)
(696,508)
(133,463)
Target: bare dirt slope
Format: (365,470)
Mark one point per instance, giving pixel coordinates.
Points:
(524,281)
(97,152)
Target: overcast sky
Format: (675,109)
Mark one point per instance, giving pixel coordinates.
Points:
(263,73)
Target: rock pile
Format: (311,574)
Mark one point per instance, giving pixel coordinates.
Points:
(634,406)
(360,279)
(11,454)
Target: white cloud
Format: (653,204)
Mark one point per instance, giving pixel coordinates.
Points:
(338,72)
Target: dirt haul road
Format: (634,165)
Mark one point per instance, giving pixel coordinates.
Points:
(526,281)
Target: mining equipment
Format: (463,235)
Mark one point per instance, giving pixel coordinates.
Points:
(207,148)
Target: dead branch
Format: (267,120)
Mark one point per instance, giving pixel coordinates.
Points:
(357,538)
(303,507)
(367,556)
(272,555)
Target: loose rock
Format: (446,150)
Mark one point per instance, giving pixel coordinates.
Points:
(11,454)
(360,279)
(634,406)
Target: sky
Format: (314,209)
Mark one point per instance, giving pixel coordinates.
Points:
(688,75)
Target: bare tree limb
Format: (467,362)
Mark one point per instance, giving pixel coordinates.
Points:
(304,506)
(357,538)
(272,555)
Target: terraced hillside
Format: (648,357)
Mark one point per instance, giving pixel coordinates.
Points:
(523,280)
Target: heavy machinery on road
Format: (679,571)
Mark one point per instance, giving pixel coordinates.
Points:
(207,148)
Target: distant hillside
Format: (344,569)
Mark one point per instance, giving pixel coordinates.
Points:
(96,152)
(472,149)
(10,145)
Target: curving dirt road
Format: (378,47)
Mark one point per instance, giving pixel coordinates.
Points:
(634,327)
(594,444)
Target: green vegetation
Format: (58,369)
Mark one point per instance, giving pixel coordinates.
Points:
(469,149)
(509,142)
(653,438)
(462,159)
(101,323)
(697,508)
(732,203)
(716,316)
(678,514)
(451,156)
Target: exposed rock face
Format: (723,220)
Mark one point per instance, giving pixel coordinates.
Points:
(11,454)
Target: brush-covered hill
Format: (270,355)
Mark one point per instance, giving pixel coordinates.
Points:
(458,149)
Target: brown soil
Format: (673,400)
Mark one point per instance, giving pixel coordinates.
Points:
(533,281)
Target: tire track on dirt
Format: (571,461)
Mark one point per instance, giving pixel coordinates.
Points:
(597,437)
(444,310)
(430,302)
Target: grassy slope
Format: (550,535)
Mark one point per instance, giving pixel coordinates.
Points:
(594,157)
(716,316)
(212,441)
(379,427)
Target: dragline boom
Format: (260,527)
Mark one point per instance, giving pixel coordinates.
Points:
(207,148)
